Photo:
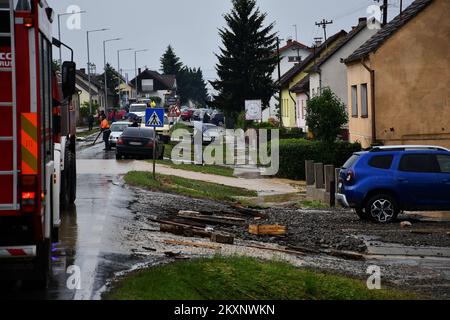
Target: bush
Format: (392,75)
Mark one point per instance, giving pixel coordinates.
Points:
(326,114)
(294,153)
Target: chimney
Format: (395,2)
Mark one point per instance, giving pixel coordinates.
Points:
(83,70)
(289,40)
(362,20)
(139,71)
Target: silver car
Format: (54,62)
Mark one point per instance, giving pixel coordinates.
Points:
(117,128)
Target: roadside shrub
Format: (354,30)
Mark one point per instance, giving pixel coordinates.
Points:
(294,153)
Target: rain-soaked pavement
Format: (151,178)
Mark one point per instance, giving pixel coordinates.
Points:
(91,239)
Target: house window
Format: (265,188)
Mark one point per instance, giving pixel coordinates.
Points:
(295,59)
(364,101)
(355,101)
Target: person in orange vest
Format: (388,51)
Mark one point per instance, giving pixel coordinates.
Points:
(104,125)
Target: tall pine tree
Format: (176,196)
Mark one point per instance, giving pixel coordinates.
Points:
(170,63)
(191,84)
(246,60)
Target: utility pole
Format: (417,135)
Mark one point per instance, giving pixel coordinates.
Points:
(384,8)
(324,24)
(385,12)
(279,79)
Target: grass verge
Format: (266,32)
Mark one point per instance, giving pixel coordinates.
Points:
(187,187)
(216,170)
(307,204)
(241,278)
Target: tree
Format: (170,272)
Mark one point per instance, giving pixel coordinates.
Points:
(246,60)
(192,86)
(190,82)
(326,114)
(170,63)
(112,79)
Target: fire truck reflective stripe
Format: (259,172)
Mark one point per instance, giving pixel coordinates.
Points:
(18,252)
(6,104)
(5,35)
(5,69)
(29,143)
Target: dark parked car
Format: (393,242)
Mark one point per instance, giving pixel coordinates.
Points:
(218,119)
(138,142)
(384,181)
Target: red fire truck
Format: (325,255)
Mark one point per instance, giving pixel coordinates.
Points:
(37,139)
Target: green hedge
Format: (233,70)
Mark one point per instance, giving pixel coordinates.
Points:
(294,153)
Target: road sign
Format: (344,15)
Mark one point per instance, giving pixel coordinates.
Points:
(154,118)
(253,110)
(174,112)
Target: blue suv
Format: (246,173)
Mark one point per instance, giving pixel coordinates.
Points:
(384,181)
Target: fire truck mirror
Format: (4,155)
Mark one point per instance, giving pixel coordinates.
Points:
(68,78)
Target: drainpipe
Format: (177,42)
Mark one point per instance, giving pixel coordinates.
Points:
(372,88)
(295,104)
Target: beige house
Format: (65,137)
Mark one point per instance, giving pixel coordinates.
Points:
(399,80)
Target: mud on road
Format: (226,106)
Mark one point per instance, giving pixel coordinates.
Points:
(391,247)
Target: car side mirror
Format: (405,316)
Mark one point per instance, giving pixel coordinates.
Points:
(68,74)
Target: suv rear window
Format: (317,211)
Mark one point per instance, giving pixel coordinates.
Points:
(444,163)
(381,162)
(420,163)
(350,162)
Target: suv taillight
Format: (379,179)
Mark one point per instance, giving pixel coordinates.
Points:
(28,195)
(120,142)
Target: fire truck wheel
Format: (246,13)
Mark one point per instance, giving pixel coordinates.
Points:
(43,265)
(72,178)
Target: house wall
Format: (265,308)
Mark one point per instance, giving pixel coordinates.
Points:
(285,66)
(302,100)
(289,104)
(360,127)
(334,72)
(412,80)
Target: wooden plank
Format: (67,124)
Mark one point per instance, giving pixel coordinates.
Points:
(273,230)
(222,238)
(192,244)
(211,220)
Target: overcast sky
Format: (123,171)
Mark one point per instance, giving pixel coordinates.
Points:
(190,26)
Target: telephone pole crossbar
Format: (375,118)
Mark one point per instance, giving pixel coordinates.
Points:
(324,23)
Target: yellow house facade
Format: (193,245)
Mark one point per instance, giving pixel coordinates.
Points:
(398,81)
(288,99)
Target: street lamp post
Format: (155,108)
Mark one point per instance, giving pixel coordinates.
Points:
(136,70)
(59,29)
(89,65)
(118,68)
(104,62)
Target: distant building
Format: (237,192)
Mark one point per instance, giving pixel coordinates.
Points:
(399,80)
(150,83)
(97,90)
(292,78)
(292,53)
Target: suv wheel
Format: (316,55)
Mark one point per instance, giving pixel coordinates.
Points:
(382,208)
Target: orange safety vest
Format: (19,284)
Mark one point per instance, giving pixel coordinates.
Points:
(105,124)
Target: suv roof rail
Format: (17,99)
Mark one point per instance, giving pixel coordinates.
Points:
(406,148)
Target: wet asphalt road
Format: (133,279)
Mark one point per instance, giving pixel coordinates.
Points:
(91,239)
